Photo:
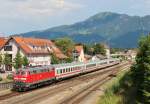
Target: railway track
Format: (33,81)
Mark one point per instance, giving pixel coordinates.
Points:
(54,88)
(6,96)
(78,98)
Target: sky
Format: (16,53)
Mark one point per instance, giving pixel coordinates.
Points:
(19,16)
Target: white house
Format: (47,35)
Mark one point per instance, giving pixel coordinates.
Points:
(80,53)
(36,50)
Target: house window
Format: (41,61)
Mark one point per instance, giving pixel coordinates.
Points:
(8,48)
(33,46)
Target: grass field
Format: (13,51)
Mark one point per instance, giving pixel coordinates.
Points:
(119,90)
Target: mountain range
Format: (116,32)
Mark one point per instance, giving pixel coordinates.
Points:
(117,30)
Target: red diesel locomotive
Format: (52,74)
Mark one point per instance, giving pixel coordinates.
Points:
(32,77)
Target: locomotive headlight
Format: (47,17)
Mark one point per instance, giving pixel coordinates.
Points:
(23,78)
(16,78)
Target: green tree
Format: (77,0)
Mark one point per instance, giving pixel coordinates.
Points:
(25,61)
(87,49)
(99,49)
(54,59)
(141,71)
(1,60)
(7,61)
(65,44)
(18,61)
(69,60)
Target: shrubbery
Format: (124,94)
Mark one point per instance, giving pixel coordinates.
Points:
(1,79)
(10,76)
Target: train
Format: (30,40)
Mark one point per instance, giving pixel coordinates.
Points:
(33,77)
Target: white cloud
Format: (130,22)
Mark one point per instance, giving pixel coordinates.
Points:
(142,4)
(25,8)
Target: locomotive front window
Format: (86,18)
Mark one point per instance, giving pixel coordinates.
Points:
(34,71)
(23,73)
(17,72)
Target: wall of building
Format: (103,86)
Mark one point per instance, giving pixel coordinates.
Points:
(81,57)
(39,60)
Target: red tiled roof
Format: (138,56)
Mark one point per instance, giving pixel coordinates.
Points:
(27,44)
(2,42)
(58,53)
(79,48)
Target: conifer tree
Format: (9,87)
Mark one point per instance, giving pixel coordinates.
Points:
(1,60)
(25,61)
(18,61)
(141,71)
(54,59)
(7,61)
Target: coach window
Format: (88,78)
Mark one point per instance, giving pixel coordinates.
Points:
(66,70)
(60,70)
(63,70)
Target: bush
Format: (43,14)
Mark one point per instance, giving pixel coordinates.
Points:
(119,90)
(10,76)
(1,79)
